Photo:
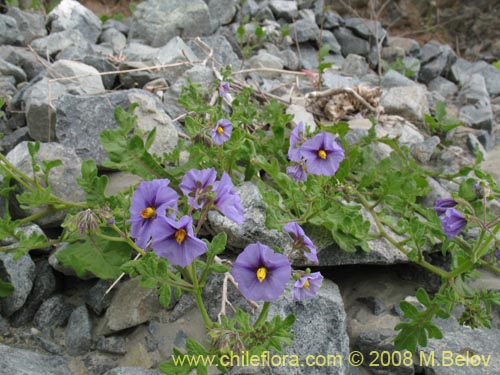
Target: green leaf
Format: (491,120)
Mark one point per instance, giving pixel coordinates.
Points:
(5,289)
(218,244)
(409,310)
(100,257)
(165,293)
(423,297)
(407,338)
(466,189)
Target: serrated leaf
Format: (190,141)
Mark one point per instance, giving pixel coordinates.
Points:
(423,297)
(194,347)
(433,331)
(409,310)
(407,338)
(165,293)
(218,244)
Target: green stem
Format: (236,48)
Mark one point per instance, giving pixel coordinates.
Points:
(38,215)
(128,240)
(203,310)
(490,267)
(263,315)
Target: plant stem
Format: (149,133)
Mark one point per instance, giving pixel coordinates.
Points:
(201,307)
(263,315)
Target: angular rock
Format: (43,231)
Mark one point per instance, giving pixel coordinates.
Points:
(81,79)
(328,39)
(132,371)
(78,336)
(9,141)
(9,31)
(96,297)
(26,362)
(44,285)
(443,86)
(62,179)
(409,46)
(71,15)
(284,9)
(131,306)
(490,74)
(8,69)
(332,80)
(266,60)
(49,345)
(31,25)
(423,151)
(158,21)
(102,65)
(54,43)
(222,50)
(114,38)
(222,12)
(459,71)
(320,327)
(304,30)
(350,43)
(112,344)
(135,51)
(437,60)
(80,120)
(20,273)
(409,102)
(24,59)
(111,23)
(355,65)
(366,29)
(475,104)
(393,78)
(331,18)
(175,51)
(53,312)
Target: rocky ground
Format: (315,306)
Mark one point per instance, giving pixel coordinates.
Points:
(57,323)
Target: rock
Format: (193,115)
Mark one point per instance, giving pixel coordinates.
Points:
(395,79)
(490,74)
(111,23)
(331,19)
(131,306)
(304,30)
(175,51)
(25,362)
(54,43)
(309,57)
(9,31)
(443,86)
(78,331)
(8,69)
(366,29)
(9,141)
(135,51)
(355,65)
(409,102)
(112,344)
(114,38)
(412,66)
(266,60)
(132,371)
(53,312)
(96,297)
(97,363)
(81,79)
(44,285)
(392,55)
(71,15)
(48,345)
(290,59)
(31,25)
(459,71)
(254,228)
(475,104)
(437,60)
(376,305)
(23,59)
(158,21)
(284,9)
(222,12)
(350,43)
(333,80)
(80,120)
(409,46)
(328,39)
(136,78)
(300,113)
(423,151)
(102,65)
(20,273)
(320,327)
(437,191)
(222,50)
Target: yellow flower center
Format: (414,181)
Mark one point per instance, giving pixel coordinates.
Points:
(322,154)
(220,129)
(148,213)
(307,284)
(180,235)
(261,274)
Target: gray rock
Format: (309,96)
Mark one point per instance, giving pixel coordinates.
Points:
(222,12)
(114,38)
(265,60)
(222,50)
(333,80)
(78,336)
(139,78)
(254,228)
(135,51)
(131,306)
(285,9)
(62,179)
(80,120)
(9,31)
(409,102)
(103,65)
(490,74)
(175,51)
(4,327)
(437,60)
(331,18)
(392,54)
(44,285)
(459,71)
(443,86)
(24,59)
(7,69)
(25,362)
(290,59)
(112,344)
(111,23)
(248,9)
(366,29)
(132,371)
(395,79)
(355,65)
(49,345)
(328,39)
(96,297)
(53,312)
(20,273)
(54,43)
(31,25)
(77,78)
(9,141)
(320,327)
(97,363)
(350,43)
(475,145)
(158,21)
(71,15)
(409,46)
(412,65)
(475,104)
(423,151)
(437,191)
(304,30)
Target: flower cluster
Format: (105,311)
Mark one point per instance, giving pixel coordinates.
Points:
(452,220)
(320,155)
(154,212)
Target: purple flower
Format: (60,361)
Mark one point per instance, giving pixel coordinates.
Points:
(453,222)
(294,153)
(296,172)
(442,204)
(261,273)
(222,131)
(497,253)
(307,286)
(227,200)
(150,200)
(224,89)
(176,241)
(323,155)
(301,241)
(196,184)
